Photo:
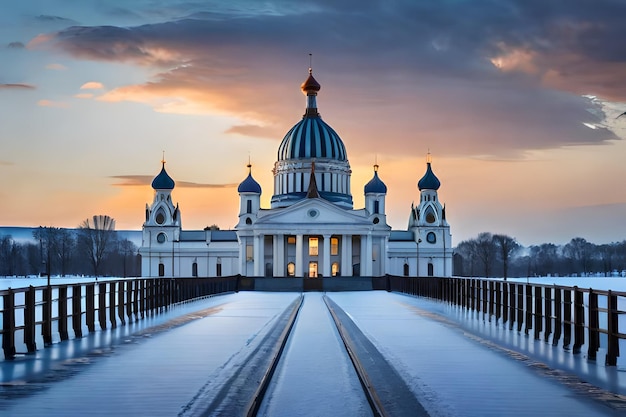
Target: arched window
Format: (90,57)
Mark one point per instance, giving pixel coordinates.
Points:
(194,269)
(376,207)
(431,269)
(248,206)
(161,270)
(334,269)
(291,269)
(406,270)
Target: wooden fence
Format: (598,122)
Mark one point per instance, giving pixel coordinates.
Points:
(64,311)
(553,313)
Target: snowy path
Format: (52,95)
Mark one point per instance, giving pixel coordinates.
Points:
(315,373)
(177,366)
(451,372)
(152,375)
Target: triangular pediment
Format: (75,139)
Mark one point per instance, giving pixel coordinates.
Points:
(310,212)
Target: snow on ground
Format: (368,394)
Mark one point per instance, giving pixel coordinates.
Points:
(315,366)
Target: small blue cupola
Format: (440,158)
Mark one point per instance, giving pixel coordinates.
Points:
(249,198)
(163,181)
(375,192)
(249,185)
(375,186)
(429,181)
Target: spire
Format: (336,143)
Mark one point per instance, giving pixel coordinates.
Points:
(310,87)
(312,192)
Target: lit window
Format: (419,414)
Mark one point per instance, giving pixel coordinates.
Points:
(291,240)
(291,269)
(313,248)
(249,252)
(334,269)
(334,246)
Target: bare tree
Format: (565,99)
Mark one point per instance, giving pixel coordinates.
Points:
(506,247)
(579,251)
(485,250)
(95,238)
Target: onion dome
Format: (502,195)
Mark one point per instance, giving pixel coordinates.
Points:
(429,181)
(375,186)
(249,185)
(163,181)
(311,137)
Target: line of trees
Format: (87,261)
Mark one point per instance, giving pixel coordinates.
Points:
(497,255)
(92,249)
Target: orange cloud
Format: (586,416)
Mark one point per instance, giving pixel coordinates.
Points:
(56,67)
(50,103)
(92,85)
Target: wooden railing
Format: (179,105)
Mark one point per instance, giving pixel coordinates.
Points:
(553,313)
(53,310)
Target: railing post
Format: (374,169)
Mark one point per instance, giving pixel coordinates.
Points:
(121,296)
(102,305)
(547,313)
(520,307)
(77,311)
(498,308)
(612,350)
(112,301)
(528,308)
(558,316)
(29,320)
(129,300)
(8,324)
(538,312)
(512,305)
(46,326)
(594,323)
(90,302)
(567,318)
(579,320)
(505,302)
(62,303)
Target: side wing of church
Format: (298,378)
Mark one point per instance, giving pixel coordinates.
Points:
(311,228)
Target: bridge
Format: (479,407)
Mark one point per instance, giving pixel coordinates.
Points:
(353,346)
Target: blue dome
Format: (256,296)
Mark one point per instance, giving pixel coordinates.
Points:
(249,185)
(163,181)
(429,181)
(375,185)
(311,137)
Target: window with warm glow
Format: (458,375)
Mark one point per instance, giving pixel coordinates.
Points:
(249,252)
(313,246)
(334,246)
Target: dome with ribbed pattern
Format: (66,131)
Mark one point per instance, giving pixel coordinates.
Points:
(311,137)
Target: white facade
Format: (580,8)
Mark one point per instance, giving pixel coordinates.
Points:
(311,228)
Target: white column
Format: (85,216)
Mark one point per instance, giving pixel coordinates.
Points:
(346,255)
(259,255)
(299,256)
(363,255)
(368,256)
(326,257)
(242,256)
(278,255)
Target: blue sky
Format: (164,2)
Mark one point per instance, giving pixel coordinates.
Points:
(516,101)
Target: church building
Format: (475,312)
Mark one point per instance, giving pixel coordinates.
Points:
(311,228)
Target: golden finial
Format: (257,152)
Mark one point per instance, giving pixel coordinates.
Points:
(249,164)
(163,158)
(429,158)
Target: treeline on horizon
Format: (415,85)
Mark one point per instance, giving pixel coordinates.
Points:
(497,255)
(93,248)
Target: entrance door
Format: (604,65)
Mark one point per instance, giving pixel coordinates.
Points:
(312,269)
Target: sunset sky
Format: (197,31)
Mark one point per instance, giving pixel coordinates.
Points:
(516,100)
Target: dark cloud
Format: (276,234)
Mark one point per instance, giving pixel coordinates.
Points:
(16,87)
(55,19)
(142,180)
(474,76)
(15,45)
